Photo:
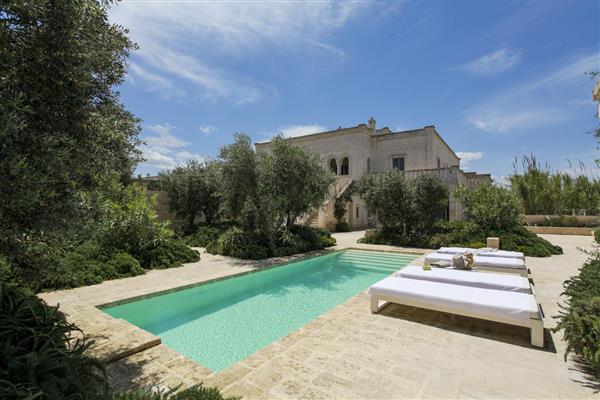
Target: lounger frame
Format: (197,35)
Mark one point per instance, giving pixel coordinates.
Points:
(535,325)
(524,272)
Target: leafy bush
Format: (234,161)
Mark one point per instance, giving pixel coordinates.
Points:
(455,233)
(492,208)
(129,223)
(342,227)
(169,254)
(235,242)
(520,239)
(580,317)
(197,392)
(43,356)
(404,206)
(597,235)
(204,236)
(466,234)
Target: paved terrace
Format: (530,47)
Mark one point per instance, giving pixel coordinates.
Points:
(402,352)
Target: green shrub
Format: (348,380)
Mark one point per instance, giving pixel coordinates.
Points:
(197,392)
(520,239)
(597,235)
(43,356)
(204,236)
(342,227)
(454,233)
(168,254)
(130,224)
(125,265)
(580,317)
(492,208)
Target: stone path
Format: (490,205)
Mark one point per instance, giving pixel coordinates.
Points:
(402,352)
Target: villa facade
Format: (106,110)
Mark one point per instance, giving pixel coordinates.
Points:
(351,153)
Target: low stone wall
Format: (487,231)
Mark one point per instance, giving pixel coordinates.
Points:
(560,230)
(538,219)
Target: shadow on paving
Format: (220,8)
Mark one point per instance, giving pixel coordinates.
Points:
(505,333)
(590,379)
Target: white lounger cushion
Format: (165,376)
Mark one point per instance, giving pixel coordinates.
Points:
(503,305)
(511,283)
(480,261)
(486,251)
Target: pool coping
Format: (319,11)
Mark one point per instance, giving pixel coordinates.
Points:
(116,338)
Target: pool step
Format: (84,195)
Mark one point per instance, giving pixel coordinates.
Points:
(378,255)
(393,260)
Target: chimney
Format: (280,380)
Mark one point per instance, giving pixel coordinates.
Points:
(372,123)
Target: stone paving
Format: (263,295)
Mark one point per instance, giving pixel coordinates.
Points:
(402,352)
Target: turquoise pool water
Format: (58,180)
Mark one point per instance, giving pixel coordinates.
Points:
(221,323)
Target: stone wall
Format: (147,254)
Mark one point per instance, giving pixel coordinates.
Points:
(560,230)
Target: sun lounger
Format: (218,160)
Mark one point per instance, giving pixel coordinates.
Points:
(486,251)
(512,308)
(509,283)
(482,263)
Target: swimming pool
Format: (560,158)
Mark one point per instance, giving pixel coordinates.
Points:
(223,322)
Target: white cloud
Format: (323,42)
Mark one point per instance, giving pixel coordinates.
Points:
(467,156)
(207,129)
(301,130)
(165,138)
(159,150)
(494,63)
(536,103)
(154,158)
(500,120)
(181,43)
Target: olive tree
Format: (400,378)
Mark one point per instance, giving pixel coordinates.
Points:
(239,179)
(292,181)
(193,190)
(493,208)
(64,129)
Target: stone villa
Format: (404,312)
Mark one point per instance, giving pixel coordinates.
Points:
(353,152)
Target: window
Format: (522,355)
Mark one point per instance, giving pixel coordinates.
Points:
(398,163)
(357,213)
(439,164)
(345,166)
(368,165)
(333,166)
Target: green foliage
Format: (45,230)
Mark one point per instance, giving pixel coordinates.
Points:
(128,222)
(390,197)
(168,254)
(239,179)
(236,242)
(342,227)
(544,192)
(492,208)
(204,236)
(466,234)
(193,192)
(455,233)
(520,239)
(292,181)
(339,205)
(43,356)
(63,129)
(407,207)
(597,235)
(580,317)
(197,392)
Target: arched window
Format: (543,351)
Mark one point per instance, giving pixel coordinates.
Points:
(333,166)
(345,166)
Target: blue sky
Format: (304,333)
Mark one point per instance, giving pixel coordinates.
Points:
(497,79)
